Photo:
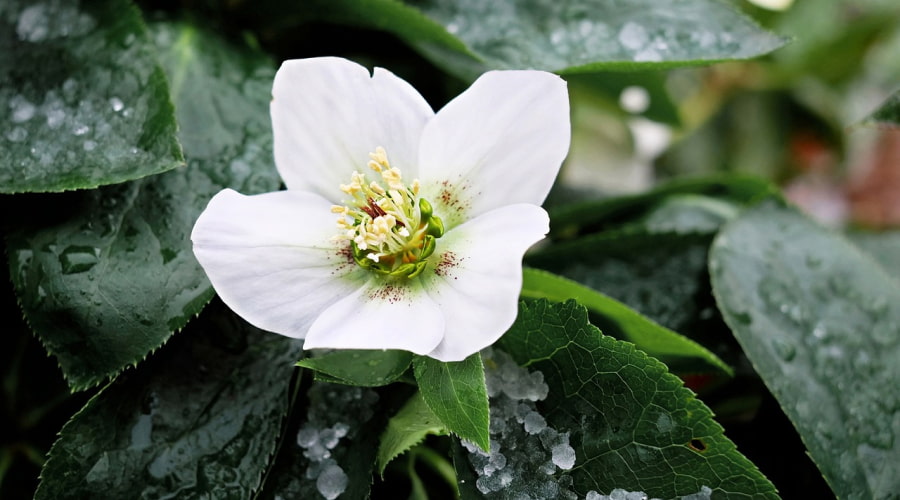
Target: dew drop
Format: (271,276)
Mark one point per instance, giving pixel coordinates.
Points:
(117,104)
(784,349)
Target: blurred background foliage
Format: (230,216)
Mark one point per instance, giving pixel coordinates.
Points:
(793,117)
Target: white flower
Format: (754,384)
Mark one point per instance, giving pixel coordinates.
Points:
(434,211)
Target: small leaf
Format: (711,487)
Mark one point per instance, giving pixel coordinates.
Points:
(359,367)
(456,393)
(631,423)
(820,322)
(406,429)
(678,352)
(888,114)
(109,274)
(89,104)
(200,417)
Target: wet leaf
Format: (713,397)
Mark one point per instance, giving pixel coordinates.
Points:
(632,424)
(110,274)
(201,416)
(85,102)
(406,429)
(338,439)
(457,395)
(821,324)
(360,367)
(883,247)
(471,36)
(678,352)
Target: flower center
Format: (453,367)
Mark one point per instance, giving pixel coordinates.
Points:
(391,230)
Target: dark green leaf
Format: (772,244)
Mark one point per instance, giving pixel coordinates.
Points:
(568,220)
(201,417)
(821,324)
(471,36)
(111,274)
(593,35)
(632,424)
(456,393)
(88,103)
(338,439)
(406,429)
(888,113)
(678,352)
(363,368)
(659,275)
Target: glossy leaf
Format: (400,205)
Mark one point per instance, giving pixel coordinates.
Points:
(659,275)
(821,324)
(86,102)
(201,417)
(678,352)
(883,247)
(406,429)
(358,367)
(632,424)
(338,438)
(590,216)
(110,274)
(457,395)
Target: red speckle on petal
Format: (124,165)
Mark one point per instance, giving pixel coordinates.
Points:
(388,293)
(344,258)
(447,263)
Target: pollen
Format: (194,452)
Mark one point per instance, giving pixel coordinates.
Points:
(390,229)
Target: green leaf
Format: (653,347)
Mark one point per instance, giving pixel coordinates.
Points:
(888,113)
(456,393)
(821,324)
(88,102)
(110,274)
(632,424)
(340,428)
(883,247)
(678,352)
(469,37)
(660,275)
(590,216)
(358,367)
(406,429)
(200,418)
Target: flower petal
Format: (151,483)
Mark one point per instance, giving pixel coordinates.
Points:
(380,315)
(478,278)
(328,114)
(500,142)
(271,259)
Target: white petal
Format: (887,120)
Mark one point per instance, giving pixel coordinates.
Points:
(328,114)
(380,315)
(478,278)
(271,260)
(500,142)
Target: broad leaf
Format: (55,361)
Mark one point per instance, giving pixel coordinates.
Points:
(201,417)
(631,423)
(883,247)
(590,216)
(406,429)
(456,393)
(470,36)
(662,276)
(110,275)
(333,452)
(358,367)
(821,324)
(678,352)
(88,103)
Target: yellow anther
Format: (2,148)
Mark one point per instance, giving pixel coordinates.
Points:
(393,178)
(339,209)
